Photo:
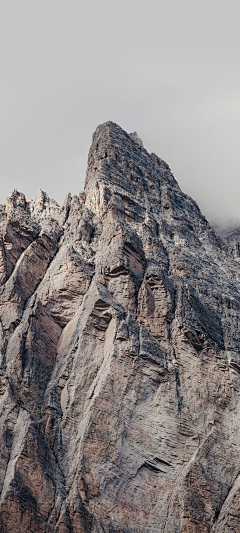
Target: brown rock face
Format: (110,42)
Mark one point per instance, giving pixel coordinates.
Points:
(120,356)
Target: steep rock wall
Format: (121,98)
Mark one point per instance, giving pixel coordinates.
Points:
(120,356)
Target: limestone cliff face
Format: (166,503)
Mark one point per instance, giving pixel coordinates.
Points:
(120,356)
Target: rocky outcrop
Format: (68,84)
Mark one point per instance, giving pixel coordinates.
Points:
(120,355)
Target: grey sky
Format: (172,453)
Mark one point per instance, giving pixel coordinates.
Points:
(168,70)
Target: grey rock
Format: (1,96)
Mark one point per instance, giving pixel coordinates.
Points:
(120,355)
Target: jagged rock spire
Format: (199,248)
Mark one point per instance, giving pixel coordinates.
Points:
(119,345)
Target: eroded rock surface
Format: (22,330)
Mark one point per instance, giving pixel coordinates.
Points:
(120,355)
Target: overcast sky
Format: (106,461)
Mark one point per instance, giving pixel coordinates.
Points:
(168,70)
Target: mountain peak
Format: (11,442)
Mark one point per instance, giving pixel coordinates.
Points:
(119,355)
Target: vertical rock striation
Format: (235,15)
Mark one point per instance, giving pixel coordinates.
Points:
(120,355)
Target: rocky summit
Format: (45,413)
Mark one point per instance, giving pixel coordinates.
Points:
(120,355)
